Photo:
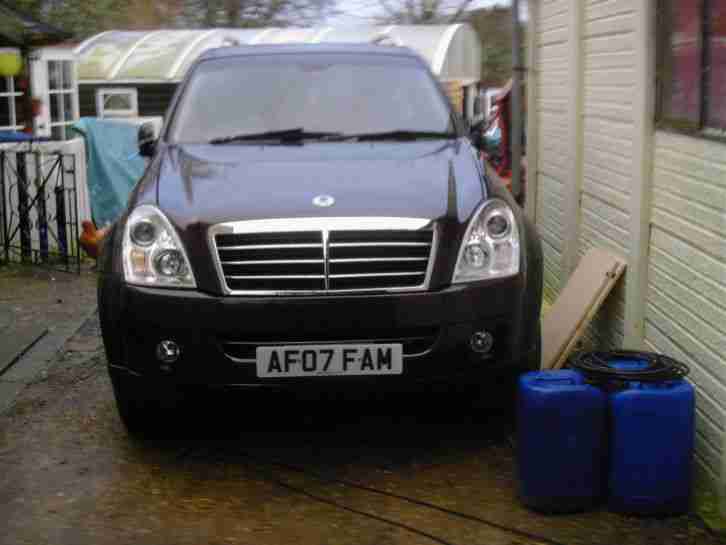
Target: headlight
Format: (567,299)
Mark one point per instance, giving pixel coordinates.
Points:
(153,255)
(490,248)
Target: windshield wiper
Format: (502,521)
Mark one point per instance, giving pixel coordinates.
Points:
(399,135)
(287,135)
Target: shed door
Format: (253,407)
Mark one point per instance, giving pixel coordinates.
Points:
(54,80)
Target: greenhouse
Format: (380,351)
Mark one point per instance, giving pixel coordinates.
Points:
(135,73)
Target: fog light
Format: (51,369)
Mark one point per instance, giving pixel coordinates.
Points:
(481,342)
(168,351)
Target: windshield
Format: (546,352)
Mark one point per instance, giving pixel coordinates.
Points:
(343,94)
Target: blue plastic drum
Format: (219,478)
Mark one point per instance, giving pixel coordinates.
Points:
(651,448)
(561,447)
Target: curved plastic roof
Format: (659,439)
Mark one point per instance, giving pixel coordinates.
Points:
(452,51)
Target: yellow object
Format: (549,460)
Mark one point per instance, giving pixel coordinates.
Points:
(10,62)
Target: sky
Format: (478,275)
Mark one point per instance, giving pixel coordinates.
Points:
(362,11)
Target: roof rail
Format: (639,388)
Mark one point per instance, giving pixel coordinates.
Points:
(230,41)
(385,38)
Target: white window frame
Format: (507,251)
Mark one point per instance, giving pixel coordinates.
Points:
(43,124)
(10,95)
(61,92)
(103,92)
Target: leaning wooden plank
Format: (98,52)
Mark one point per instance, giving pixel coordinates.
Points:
(616,274)
(567,319)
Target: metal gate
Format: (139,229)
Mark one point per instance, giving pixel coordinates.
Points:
(39,209)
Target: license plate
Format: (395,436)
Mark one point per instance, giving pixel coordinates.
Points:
(329,360)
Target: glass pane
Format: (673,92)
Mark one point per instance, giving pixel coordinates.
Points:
(682,62)
(67,74)
(243,36)
(68,107)
(54,75)
(5,112)
(57,132)
(153,58)
(716,83)
(55,107)
(20,116)
(424,39)
(289,35)
(4,85)
(347,94)
(98,58)
(117,102)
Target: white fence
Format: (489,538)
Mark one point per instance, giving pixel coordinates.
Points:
(56,178)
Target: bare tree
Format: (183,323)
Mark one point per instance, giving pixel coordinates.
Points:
(88,17)
(255,13)
(417,12)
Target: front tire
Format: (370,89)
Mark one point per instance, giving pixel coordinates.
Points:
(142,405)
(502,397)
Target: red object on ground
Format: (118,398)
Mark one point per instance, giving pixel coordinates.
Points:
(91,238)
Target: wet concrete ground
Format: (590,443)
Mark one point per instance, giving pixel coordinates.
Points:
(39,310)
(414,469)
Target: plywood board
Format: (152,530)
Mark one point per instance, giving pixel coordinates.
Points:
(567,319)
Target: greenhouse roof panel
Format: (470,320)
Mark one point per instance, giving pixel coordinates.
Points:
(209,40)
(166,55)
(100,54)
(153,56)
(288,36)
(351,34)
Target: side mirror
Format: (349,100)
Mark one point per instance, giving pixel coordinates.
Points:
(146,140)
(476,136)
(477,106)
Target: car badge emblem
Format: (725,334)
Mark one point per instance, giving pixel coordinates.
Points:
(324,201)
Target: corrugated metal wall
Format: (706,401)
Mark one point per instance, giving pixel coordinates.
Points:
(553,96)
(686,300)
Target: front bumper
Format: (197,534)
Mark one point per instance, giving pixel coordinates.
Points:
(218,334)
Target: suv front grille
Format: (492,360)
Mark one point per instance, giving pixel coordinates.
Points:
(323,261)
(377,259)
(272,261)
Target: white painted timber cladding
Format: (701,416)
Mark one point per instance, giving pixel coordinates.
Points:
(553,95)
(608,134)
(685,314)
(657,197)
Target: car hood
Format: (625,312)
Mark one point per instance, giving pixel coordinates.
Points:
(205,184)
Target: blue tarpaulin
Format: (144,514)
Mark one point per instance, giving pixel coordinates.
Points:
(114,165)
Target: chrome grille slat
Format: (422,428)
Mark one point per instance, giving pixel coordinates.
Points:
(376,244)
(378,259)
(372,275)
(257,258)
(269,246)
(275,276)
(273,262)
